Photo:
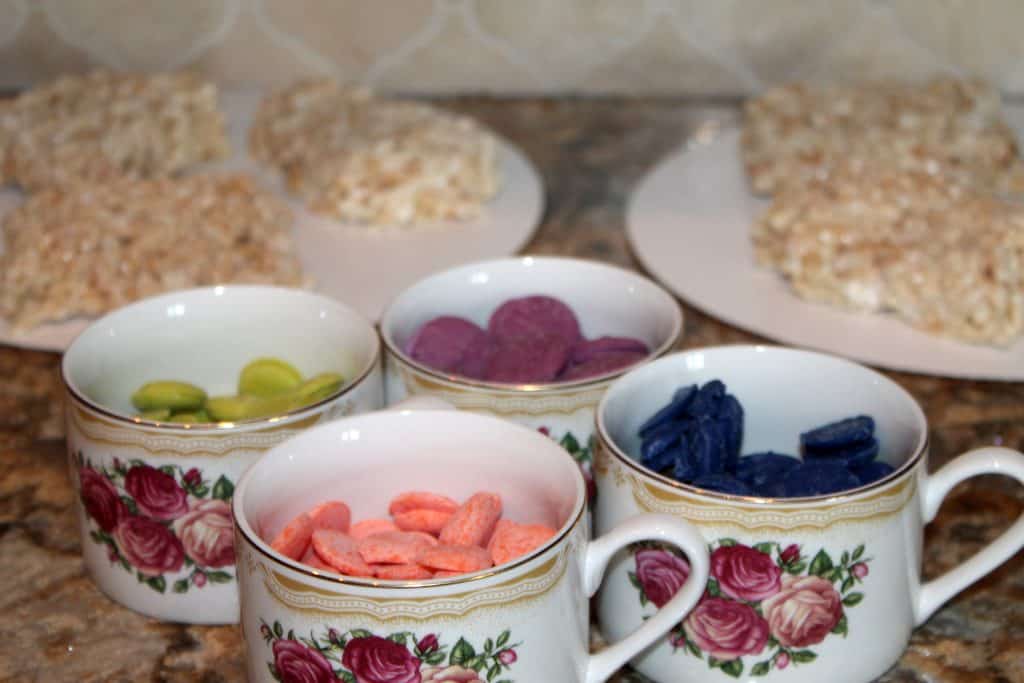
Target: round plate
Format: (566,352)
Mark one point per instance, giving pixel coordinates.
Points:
(362,268)
(689,223)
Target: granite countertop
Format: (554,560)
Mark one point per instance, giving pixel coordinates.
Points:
(57,627)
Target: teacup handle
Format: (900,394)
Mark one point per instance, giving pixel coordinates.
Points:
(991,460)
(645,527)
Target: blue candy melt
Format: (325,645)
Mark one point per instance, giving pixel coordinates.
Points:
(760,469)
(674,410)
(707,446)
(705,403)
(873,471)
(817,479)
(853,456)
(839,434)
(730,417)
(723,483)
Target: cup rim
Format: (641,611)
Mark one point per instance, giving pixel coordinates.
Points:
(908,465)
(225,426)
(502,387)
(246,532)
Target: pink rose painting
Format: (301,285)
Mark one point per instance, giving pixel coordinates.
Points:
(206,532)
(160,521)
(744,573)
(726,629)
(296,663)
(804,611)
(767,602)
(101,499)
(660,574)
(361,656)
(156,493)
(149,546)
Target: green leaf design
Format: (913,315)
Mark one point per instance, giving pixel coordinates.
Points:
(570,443)
(488,646)
(476,663)
(841,627)
(223,489)
(157,583)
(435,657)
(273,671)
(761,668)
(821,564)
(219,577)
(726,542)
(135,462)
(348,677)
(503,638)
(847,584)
(857,552)
(713,662)
(713,588)
(399,638)
(359,633)
(461,653)
(694,650)
(765,548)
(802,656)
(844,559)
(852,599)
(95,536)
(493,671)
(278,629)
(733,667)
(797,568)
(181,586)
(130,504)
(168,470)
(201,491)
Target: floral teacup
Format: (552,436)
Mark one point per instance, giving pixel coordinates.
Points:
(608,301)
(801,589)
(155,511)
(525,620)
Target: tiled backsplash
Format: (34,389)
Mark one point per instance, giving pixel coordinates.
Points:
(513,46)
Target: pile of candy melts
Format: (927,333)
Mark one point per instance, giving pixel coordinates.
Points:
(533,339)
(428,536)
(696,439)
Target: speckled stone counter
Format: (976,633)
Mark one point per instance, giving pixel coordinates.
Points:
(56,626)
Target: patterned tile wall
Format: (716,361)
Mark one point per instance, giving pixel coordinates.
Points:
(514,46)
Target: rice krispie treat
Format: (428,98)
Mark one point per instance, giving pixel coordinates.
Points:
(84,249)
(941,255)
(100,126)
(364,159)
(797,132)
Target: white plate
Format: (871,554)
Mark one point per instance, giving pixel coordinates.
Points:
(689,223)
(361,268)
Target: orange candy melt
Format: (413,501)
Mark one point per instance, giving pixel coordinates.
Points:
(511,540)
(294,537)
(428,536)
(474,521)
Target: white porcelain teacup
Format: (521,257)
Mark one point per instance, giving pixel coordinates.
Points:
(607,300)
(526,620)
(155,497)
(801,589)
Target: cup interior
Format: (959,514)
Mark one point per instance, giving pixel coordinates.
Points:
(607,300)
(206,336)
(366,460)
(783,392)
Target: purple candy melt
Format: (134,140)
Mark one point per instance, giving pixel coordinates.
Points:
(589,348)
(527,358)
(442,342)
(477,358)
(601,363)
(535,315)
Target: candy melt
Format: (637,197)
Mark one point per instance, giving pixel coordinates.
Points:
(428,536)
(696,438)
(533,339)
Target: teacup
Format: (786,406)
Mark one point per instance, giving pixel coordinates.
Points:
(525,620)
(606,299)
(155,513)
(801,589)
